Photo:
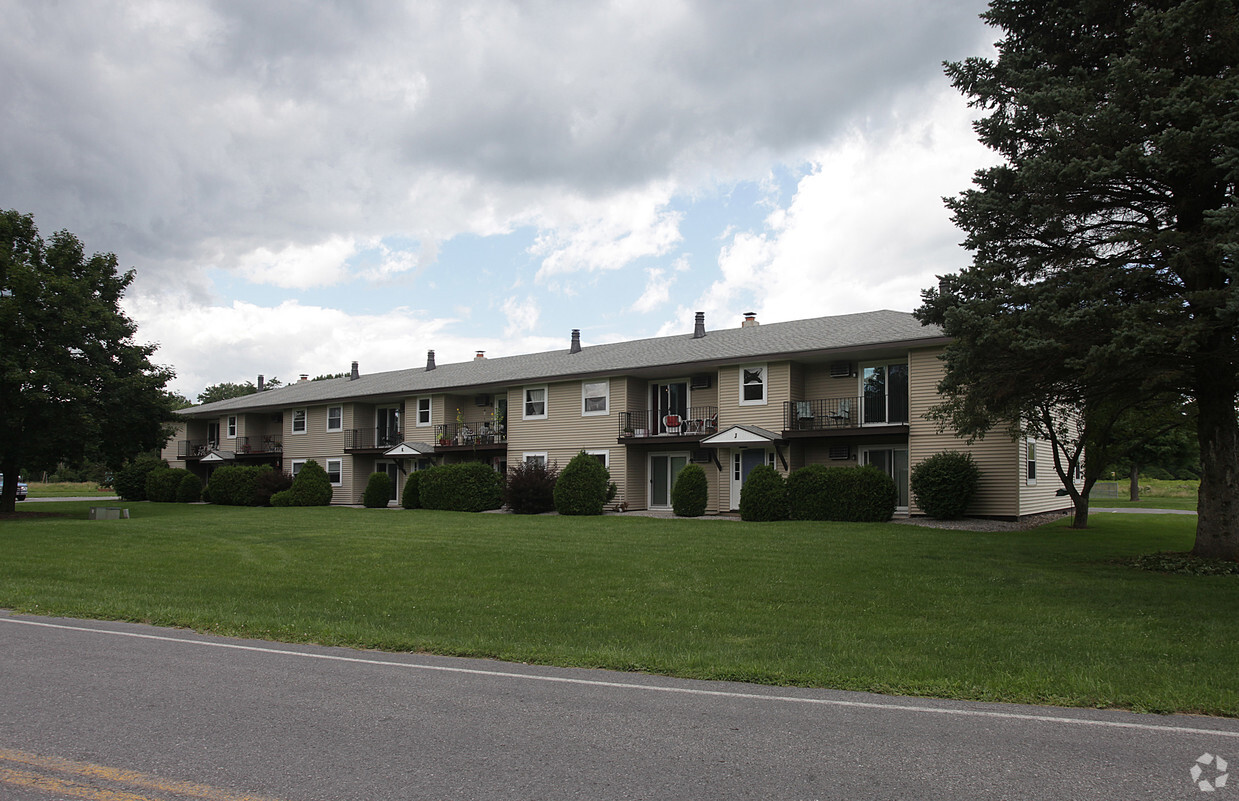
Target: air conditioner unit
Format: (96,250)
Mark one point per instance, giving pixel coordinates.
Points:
(700,456)
(840,452)
(700,381)
(841,370)
(481,400)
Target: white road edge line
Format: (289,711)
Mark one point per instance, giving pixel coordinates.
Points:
(978,713)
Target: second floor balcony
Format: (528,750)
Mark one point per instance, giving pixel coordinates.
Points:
(695,421)
(363,439)
(475,433)
(828,414)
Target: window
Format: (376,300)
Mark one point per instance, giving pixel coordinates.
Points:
(335,418)
(601,456)
(595,397)
(295,466)
(232,427)
(535,403)
(298,421)
(1032,462)
(334,468)
(423,411)
(753,385)
(884,393)
(534,458)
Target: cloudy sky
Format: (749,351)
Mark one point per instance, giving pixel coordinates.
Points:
(300,185)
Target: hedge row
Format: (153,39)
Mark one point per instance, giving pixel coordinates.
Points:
(465,487)
(845,494)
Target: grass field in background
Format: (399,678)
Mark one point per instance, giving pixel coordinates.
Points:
(1043,616)
(66,489)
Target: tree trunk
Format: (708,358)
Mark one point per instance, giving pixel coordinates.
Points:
(1080,520)
(8,498)
(1135,482)
(1217,522)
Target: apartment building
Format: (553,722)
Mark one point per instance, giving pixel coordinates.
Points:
(843,390)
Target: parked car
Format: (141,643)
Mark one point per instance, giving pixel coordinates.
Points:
(22,490)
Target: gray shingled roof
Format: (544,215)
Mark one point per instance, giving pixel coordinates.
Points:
(718,346)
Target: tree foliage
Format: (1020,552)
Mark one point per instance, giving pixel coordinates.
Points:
(73,383)
(1104,243)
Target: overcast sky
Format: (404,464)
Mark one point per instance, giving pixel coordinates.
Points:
(302,185)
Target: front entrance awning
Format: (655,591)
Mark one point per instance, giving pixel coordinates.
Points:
(215,457)
(407,450)
(738,436)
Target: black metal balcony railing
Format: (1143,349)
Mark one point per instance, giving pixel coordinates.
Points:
(696,421)
(478,432)
(830,413)
(264,443)
(194,448)
(356,439)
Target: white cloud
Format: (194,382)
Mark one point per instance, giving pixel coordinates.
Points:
(522,317)
(322,264)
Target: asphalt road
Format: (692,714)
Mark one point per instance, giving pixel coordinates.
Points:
(123,712)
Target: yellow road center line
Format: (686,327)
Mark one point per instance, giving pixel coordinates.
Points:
(63,788)
(126,777)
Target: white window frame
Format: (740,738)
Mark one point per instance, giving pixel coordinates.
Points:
(305,421)
(765,384)
(339,470)
(606,457)
(525,415)
(528,456)
(232,426)
(340,421)
(1030,462)
(294,467)
(418,421)
(606,398)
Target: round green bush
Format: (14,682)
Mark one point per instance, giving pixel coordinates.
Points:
(282,498)
(163,482)
(813,492)
(311,487)
(764,495)
(236,485)
(872,496)
(945,483)
(130,480)
(378,491)
(410,498)
(582,486)
(190,489)
(690,492)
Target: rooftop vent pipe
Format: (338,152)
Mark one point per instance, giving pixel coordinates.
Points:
(576,341)
(354,374)
(430,360)
(261,385)
(699,328)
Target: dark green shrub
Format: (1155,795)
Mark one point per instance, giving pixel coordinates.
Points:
(206,494)
(872,497)
(582,486)
(844,494)
(812,492)
(163,482)
(944,483)
(130,480)
(190,489)
(466,487)
(530,488)
(411,498)
(268,483)
(378,491)
(235,485)
(311,487)
(690,492)
(282,498)
(764,495)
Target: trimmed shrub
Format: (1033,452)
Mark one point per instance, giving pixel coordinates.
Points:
(843,494)
(690,492)
(130,481)
(411,498)
(764,495)
(812,492)
(268,483)
(465,487)
(282,498)
(531,488)
(944,484)
(378,491)
(235,485)
(163,482)
(190,489)
(872,496)
(582,486)
(311,487)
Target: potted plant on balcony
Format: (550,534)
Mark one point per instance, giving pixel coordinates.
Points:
(628,431)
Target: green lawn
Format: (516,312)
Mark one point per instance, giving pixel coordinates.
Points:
(1044,616)
(66,489)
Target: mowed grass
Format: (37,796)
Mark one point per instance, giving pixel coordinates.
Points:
(1044,616)
(66,489)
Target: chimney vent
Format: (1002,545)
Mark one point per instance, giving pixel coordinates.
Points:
(430,360)
(261,385)
(576,341)
(481,356)
(305,376)
(699,328)
(750,320)
(354,374)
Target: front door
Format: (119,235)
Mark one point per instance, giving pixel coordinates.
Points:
(664,469)
(742,463)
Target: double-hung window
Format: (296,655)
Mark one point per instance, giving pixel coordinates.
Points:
(232,426)
(299,421)
(335,467)
(335,418)
(423,411)
(753,381)
(534,458)
(535,403)
(1031,462)
(595,397)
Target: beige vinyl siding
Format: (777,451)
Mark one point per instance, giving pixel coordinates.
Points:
(818,384)
(768,416)
(996,455)
(1042,496)
(169,450)
(320,445)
